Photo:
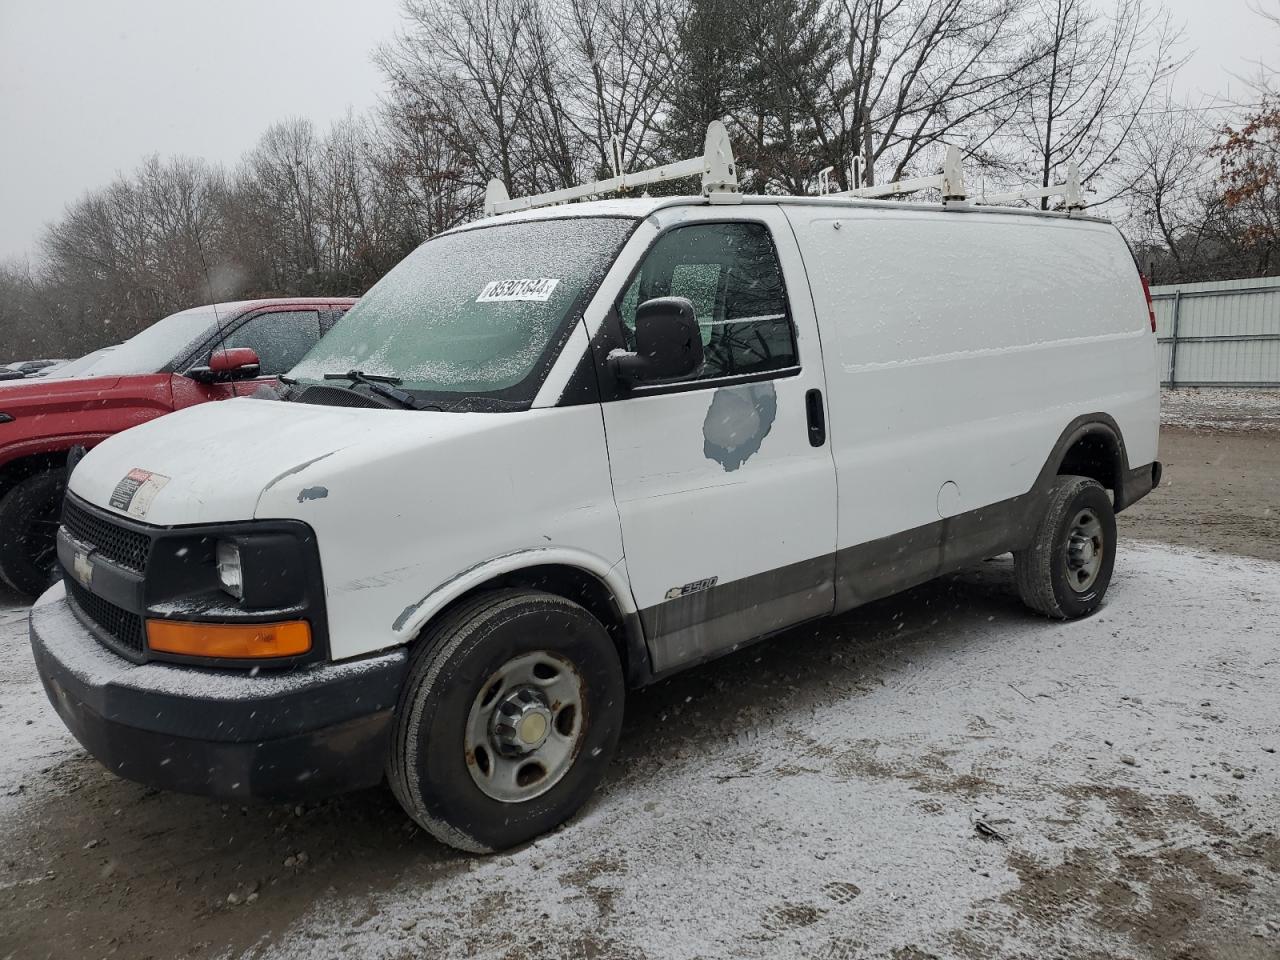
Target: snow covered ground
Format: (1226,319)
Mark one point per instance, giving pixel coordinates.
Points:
(939,774)
(1221,408)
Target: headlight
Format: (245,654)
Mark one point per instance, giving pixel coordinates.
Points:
(236,593)
(230,576)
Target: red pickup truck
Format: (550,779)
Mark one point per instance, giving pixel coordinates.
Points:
(207,353)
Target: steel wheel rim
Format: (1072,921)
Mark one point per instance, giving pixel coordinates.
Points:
(1085,547)
(525,727)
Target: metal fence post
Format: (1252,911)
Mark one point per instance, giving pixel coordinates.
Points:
(1173,346)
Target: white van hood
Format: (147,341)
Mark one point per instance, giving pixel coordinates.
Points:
(213,463)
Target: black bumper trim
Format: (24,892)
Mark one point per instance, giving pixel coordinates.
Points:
(315,730)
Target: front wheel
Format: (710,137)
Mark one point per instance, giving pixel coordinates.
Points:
(29,516)
(1066,571)
(508,720)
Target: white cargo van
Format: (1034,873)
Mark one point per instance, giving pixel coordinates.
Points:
(574,448)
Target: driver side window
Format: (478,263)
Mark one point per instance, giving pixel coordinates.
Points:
(731,275)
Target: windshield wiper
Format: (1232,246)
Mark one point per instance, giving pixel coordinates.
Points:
(359,376)
(382,386)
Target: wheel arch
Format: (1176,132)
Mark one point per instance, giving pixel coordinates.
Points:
(45,453)
(19,468)
(599,587)
(1091,446)
(1096,452)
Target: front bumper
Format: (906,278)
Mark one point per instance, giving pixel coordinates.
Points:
(275,735)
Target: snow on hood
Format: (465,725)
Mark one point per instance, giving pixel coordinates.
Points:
(213,462)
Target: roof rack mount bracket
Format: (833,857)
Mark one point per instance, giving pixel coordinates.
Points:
(719,172)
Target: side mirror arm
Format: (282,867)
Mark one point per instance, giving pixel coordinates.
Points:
(628,367)
(202,375)
(209,375)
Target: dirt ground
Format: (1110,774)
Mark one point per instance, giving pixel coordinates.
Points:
(1220,493)
(1221,486)
(935,775)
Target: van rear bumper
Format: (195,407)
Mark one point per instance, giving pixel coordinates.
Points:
(279,735)
(1137,484)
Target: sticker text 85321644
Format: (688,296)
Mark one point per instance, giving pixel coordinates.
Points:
(505,291)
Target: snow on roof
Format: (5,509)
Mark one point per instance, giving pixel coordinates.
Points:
(640,207)
(634,207)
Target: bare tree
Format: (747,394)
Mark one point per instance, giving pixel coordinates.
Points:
(926,72)
(1166,162)
(619,70)
(1098,74)
(884,81)
(426,179)
(138,249)
(465,63)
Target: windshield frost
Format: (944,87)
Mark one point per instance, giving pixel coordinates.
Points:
(477,312)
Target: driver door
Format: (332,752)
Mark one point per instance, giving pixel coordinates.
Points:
(724,480)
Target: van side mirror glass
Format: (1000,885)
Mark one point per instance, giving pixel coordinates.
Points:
(234,363)
(668,342)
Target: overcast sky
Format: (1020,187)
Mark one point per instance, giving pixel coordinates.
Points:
(89,87)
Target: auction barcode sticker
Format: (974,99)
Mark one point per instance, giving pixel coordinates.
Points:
(505,291)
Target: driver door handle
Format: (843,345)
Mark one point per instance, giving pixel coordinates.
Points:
(817,418)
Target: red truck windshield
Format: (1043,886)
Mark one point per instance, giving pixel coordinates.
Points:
(157,346)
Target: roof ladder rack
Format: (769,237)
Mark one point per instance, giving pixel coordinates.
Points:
(1070,191)
(715,166)
(950,181)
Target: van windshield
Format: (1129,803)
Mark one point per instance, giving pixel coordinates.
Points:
(478,313)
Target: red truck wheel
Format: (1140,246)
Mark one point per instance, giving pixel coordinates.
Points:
(29,515)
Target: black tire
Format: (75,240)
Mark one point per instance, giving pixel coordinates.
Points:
(1049,580)
(29,516)
(428,767)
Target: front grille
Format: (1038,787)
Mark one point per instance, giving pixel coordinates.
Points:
(126,630)
(120,544)
(334,397)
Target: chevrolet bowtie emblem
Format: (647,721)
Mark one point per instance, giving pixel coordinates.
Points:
(82,567)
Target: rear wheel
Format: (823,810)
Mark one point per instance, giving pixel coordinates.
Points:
(29,516)
(1067,569)
(508,720)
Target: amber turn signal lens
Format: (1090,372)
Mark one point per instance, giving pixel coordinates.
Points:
(231,641)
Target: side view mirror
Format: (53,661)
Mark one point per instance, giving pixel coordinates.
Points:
(235,363)
(668,342)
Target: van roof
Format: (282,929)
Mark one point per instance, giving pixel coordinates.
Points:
(641,207)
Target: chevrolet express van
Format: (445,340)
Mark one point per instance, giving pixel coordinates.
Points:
(562,452)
